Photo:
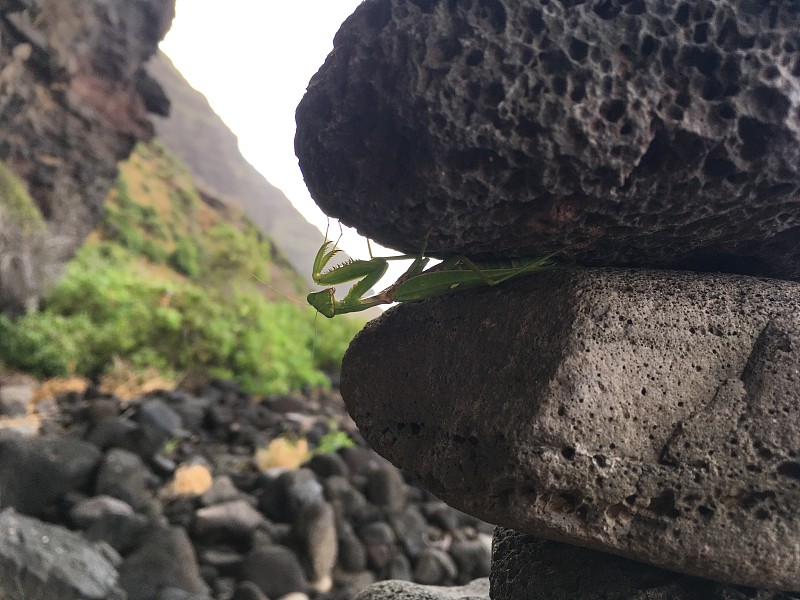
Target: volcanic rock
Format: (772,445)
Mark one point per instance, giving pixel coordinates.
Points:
(34,472)
(650,414)
(165,560)
(524,566)
(402,590)
(275,570)
(646,133)
(45,561)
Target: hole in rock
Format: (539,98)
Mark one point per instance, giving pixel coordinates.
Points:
(664,505)
(578,49)
(789,469)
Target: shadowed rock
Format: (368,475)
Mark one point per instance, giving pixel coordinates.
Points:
(534,569)
(664,133)
(649,414)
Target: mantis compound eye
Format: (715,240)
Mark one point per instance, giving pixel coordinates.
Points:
(323,301)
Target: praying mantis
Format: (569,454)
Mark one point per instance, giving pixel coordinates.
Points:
(417,283)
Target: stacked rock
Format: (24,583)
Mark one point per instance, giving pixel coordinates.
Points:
(645,403)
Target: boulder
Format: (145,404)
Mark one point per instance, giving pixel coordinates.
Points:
(657,134)
(275,570)
(34,472)
(50,562)
(165,560)
(123,475)
(651,414)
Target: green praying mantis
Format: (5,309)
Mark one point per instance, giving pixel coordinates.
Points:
(417,283)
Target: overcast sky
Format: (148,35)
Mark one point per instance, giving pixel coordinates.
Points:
(253,59)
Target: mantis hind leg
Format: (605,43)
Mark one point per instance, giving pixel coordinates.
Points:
(490,280)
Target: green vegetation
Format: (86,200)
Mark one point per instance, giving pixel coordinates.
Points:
(333,441)
(169,282)
(16,204)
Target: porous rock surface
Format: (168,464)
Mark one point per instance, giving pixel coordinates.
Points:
(524,566)
(74,100)
(661,134)
(405,590)
(651,414)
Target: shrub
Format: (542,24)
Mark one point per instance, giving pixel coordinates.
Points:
(186,257)
(107,306)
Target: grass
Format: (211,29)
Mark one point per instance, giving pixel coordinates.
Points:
(170,283)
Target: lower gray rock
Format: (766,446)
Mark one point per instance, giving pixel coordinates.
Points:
(404,590)
(651,414)
(530,568)
(48,562)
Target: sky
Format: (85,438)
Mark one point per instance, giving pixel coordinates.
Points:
(253,59)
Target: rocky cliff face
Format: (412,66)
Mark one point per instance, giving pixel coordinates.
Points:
(74,99)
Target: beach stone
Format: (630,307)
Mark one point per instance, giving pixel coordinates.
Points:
(411,529)
(386,488)
(524,566)
(165,559)
(352,556)
(60,465)
(315,531)
(658,134)
(473,559)
(123,475)
(434,567)
(352,584)
(49,562)
(326,465)
(380,544)
(404,590)
(247,590)
(345,499)
(230,521)
(15,399)
(400,568)
(223,490)
(110,520)
(651,414)
(275,570)
(284,496)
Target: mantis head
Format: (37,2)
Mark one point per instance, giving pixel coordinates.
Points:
(323,301)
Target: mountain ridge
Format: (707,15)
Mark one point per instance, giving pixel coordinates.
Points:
(197,135)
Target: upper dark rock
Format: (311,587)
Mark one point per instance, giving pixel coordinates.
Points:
(658,133)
